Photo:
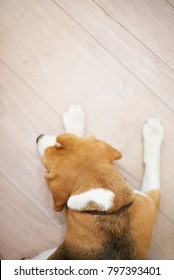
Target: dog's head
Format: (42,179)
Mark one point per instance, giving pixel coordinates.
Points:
(76,165)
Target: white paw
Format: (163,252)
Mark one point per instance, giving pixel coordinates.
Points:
(74,120)
(153,133)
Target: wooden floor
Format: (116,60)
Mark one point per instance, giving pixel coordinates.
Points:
(115,58)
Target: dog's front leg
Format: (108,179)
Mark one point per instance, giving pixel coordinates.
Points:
(153,134)
(74,120)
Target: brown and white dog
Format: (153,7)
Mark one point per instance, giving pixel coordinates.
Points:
(106,217)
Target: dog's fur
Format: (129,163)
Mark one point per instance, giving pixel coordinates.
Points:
(106,218)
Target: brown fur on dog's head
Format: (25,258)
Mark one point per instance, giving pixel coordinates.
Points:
(78,164)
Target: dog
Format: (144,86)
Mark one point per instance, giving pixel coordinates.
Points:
(106,217)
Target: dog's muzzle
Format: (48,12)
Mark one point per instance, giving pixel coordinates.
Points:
(44,141)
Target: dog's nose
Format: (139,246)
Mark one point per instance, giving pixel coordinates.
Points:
(44,141)
(40,136)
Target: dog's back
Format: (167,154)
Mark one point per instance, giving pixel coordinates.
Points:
(124,235)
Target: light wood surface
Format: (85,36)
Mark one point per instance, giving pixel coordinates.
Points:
(115,58)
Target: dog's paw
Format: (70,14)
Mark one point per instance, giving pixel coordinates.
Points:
(74,120)
(153,133)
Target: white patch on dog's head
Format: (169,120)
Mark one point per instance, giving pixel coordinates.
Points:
(102,197)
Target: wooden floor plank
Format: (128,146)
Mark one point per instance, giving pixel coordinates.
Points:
(150,21)
(24,116)
(162,247)
(103,22)
(23,229)
(40,48)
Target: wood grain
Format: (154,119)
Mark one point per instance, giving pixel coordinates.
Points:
(116,59)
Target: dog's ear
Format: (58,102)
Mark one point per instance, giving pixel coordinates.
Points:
(60,200)
(55,185)
(112,153)
(60,197)
(92,200)
(67,140)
